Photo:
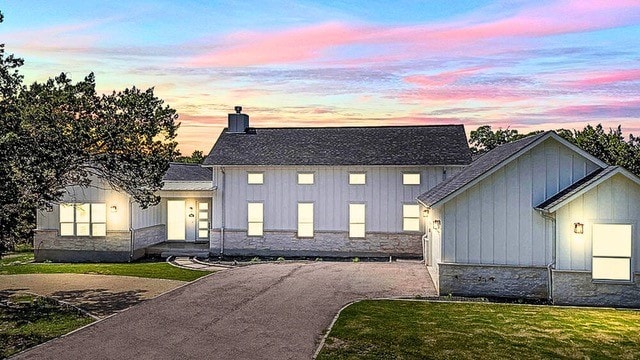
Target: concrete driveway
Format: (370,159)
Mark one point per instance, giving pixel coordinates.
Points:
(267,311)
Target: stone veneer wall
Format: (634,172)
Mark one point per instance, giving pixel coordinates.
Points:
(324,243)
(113,247)
(493,280)
(146,237)
(577,288)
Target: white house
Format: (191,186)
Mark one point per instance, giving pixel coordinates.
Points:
(537,218)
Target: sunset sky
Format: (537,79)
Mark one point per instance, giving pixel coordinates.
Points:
(521,64)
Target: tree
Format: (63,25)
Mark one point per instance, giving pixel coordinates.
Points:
(483,139)
(196,158)
(57,134)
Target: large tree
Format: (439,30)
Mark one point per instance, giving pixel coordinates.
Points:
(609,146)
(57,134)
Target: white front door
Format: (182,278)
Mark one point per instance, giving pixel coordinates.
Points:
(176,216)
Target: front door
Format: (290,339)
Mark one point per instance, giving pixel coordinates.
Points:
(176,216)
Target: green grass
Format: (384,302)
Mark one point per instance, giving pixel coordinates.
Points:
(156,270)
(388,329)
(26,321)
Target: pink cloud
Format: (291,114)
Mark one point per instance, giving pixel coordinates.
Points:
(453,93)
(606,78)
(620,109)
(444,78)
(312,43)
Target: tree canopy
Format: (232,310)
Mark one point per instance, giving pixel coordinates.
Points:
(609,146)
(57,134)
(197,156)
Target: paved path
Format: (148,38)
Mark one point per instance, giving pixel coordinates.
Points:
(191,263)
(100,295)
(266,311)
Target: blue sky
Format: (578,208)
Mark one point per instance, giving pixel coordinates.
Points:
(522,64)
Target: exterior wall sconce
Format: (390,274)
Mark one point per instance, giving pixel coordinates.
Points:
(425,213)
(437,224)
(578,228)
(114,209)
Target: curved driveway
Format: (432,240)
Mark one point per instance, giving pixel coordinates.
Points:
(267,311)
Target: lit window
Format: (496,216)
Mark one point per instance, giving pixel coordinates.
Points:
(305,219)
(357,178)
(410,178)
(410,217)
(305,178)
(83,219)
(356,220)
(611,252)
(255,178)
(255,218)
(203,220)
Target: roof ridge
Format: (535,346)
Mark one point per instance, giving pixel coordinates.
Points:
(349,127)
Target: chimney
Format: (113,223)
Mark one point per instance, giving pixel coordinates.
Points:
(238,123)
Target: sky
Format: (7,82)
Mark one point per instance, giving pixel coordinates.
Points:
(525,65)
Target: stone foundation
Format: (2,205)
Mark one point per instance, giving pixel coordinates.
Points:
(493,281)
(577,288)
(148,236)
(115,247)
(323,244)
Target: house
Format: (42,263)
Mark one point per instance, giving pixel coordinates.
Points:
(339,192)
(536,218)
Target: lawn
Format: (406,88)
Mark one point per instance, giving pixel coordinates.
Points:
(26,321)
(386,329)
(19,264)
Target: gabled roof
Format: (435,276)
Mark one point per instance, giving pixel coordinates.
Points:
(392,145)
(187,172)
(490,162)
(479,167)
(582,186)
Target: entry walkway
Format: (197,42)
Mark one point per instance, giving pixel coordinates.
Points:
(266,311)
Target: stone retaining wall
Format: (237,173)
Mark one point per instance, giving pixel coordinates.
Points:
(493,281)
(323,244)
(577,288)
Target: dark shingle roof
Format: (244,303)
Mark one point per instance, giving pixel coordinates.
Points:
(575,187)
(480,166)
(393,145)
(187,172)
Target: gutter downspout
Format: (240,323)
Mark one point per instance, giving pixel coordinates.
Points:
(552,264)
(131,232)
(222,217)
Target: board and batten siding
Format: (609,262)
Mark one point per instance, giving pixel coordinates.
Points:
(101,193)
(383,194)
(615,200)
(494,221)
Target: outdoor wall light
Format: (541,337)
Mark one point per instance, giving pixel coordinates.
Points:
(578,228)
(114,209)
(436,224)
(425,213)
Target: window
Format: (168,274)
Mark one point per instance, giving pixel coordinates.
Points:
(255,178)
(356,220)
(410,178)
(305,178)
(305,219)
(255,219)
(203,220)
(611,252)
(357,178)
(410,217)
(83,219)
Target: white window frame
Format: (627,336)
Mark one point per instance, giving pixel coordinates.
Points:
(405,218)
(300,229)
(601,254)
(406,176)
(255,220)
(303,180)
(252,180)
(355,222)
(353,178)
(95,222)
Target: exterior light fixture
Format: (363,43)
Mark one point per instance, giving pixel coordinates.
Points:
(114,209)
(437,224)
(425,213)
(578,228)
(49,208)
